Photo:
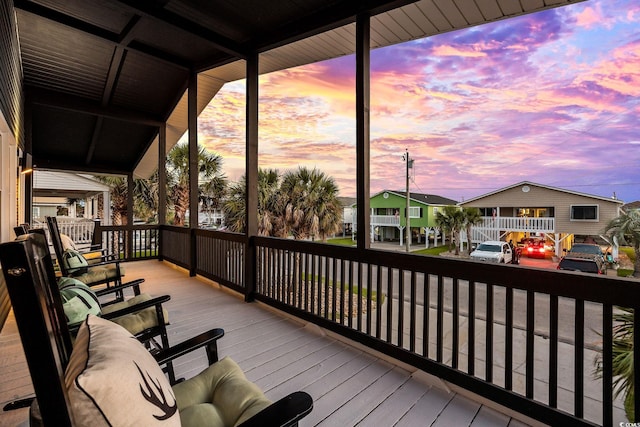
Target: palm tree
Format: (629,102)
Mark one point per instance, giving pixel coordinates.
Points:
(118,191)
(471,217)
(234,207)
(626,229)
(310,199)
(144,196)
(209,168)
(450,220)
(303,203)
(270,215)
(622,363)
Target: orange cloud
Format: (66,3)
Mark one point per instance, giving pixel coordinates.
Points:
(444,50)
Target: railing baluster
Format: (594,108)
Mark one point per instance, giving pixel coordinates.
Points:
(508,339)
(471,363)
(369,284)
(636,359)
(489,335)
(289,278)
(578,362)
(336,289)
(607,366)
(425,315)
(455,323)
(313,283)
(440,320)
(379,301)
(553,351)
(343,266)
(350,308)
(326,287)
(307,269)
(359,302)
(390,305)
(400,306)
(529,347)
(412,314)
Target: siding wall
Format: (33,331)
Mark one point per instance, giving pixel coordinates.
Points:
(561,201)
(11,94)
(11,104)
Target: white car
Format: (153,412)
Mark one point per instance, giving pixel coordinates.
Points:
(493,251)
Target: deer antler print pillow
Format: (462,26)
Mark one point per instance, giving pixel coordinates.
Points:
(112,380)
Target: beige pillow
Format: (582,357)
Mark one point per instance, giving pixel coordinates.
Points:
(67,242)
(112,380)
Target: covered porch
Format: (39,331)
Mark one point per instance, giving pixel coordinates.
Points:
(518,338)
(350,385)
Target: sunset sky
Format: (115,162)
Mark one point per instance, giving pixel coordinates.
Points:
(552,97)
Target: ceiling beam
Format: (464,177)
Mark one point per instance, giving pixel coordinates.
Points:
(101,33)
(77,104)
(155,11)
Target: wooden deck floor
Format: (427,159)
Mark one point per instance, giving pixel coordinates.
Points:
(281,355)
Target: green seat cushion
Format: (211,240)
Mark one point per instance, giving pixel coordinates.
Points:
(219,396)
(100,273)
(139,321)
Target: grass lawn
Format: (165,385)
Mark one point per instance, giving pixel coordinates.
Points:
(344,241)
(432,251)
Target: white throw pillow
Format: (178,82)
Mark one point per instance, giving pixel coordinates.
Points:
(112,380)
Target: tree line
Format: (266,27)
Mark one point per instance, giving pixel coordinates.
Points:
(302,203)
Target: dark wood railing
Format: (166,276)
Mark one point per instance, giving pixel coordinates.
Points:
(131,243)
(534,333)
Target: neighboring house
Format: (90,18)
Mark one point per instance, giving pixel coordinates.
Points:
(528,209)
(348,214)
(55,190)
(388,215)
(631,206)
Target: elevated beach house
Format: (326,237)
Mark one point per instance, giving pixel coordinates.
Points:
(528,209)
(388,219)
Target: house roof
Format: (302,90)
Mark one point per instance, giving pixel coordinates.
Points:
(631,205)
(529,183)
(427,199)
(347,201)
(100,77)
(65,184)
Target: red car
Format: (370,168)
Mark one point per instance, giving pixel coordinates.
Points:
(535,249)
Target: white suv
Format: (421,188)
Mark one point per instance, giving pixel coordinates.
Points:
(493,251)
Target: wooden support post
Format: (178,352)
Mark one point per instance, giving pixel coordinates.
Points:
(251,175)
(363,86)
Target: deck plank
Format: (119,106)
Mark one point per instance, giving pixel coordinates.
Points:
(389,412)
(489,418)
(367,400)
(349,387)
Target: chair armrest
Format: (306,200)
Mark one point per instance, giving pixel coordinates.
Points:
(157,301)
(111,289)
(103,256)
(285,412)
(207,339)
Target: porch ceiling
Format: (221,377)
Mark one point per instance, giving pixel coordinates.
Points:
(100,76)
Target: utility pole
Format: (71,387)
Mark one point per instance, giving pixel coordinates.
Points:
(408,221)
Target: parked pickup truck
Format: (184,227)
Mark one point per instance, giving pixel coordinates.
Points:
(494,252)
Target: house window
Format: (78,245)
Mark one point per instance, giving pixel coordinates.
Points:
(488,211)
(584,212)
(414,211)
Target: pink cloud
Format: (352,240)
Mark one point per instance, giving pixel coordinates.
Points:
(465,52)
(589,17)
